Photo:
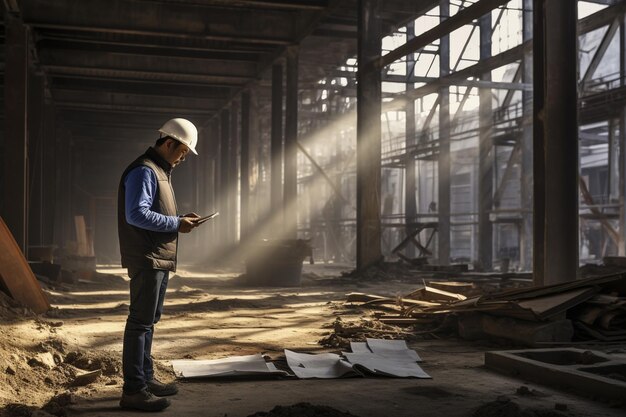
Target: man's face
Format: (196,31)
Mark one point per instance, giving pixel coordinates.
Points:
(175,154)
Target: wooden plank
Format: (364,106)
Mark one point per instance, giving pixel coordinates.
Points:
(369,299)
(435,294)
(16,276)
(453,286)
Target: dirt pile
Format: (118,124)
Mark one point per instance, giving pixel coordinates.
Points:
(41,374)
(302,410)
(11,309)
(504,407)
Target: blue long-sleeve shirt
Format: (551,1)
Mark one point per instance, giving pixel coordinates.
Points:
(141,188)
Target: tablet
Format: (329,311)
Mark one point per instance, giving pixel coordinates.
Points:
(205,218)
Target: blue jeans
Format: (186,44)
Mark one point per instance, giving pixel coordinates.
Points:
(147,292)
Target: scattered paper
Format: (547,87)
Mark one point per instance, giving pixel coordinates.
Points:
(324,365)
(385,366)
(396,349)
(232,366)
(359,347)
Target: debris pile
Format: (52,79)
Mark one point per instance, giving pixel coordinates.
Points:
(590,308)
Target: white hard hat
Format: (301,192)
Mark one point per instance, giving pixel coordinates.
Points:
(183,131)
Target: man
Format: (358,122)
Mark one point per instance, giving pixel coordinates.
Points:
(148,226)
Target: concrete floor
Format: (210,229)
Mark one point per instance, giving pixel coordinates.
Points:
(294,319)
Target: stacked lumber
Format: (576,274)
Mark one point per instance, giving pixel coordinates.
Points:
(602,317)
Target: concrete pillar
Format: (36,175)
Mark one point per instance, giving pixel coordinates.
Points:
(244,163)
(486,153)
(291,147)
(443,167)
(224,169)
(276,146)
(368,246)
(15,175)
(526,177)
(555,148)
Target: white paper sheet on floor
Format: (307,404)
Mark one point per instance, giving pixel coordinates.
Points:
(232,366)
(323,365)
(381,357)
(399,367)
(395,349)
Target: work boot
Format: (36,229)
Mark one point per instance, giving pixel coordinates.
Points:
(144,400)
(160,389)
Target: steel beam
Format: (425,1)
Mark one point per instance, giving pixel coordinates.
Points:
(600,18)
(555,142)
(146,74)
(140,87)
(444,166)
(15,175)
(252,4)
(496,61)
(446,26)
(65,95)
(485,154)
(137,109)
(51,43)
(174,20)
(149,42)
(92,58)
(368,245)
(604,45)
(290,193)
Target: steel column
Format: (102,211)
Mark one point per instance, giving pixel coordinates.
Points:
(35,138)
(224,177)
(410,204)
(290,192)
(244,163)
(526,177)
(276,145)
(443,167)
(15,175)
(555,142)
(50,153)
(622,142)
(368,250)
(233,171)
(486,152)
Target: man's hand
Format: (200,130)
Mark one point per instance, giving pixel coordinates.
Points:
(187,224)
